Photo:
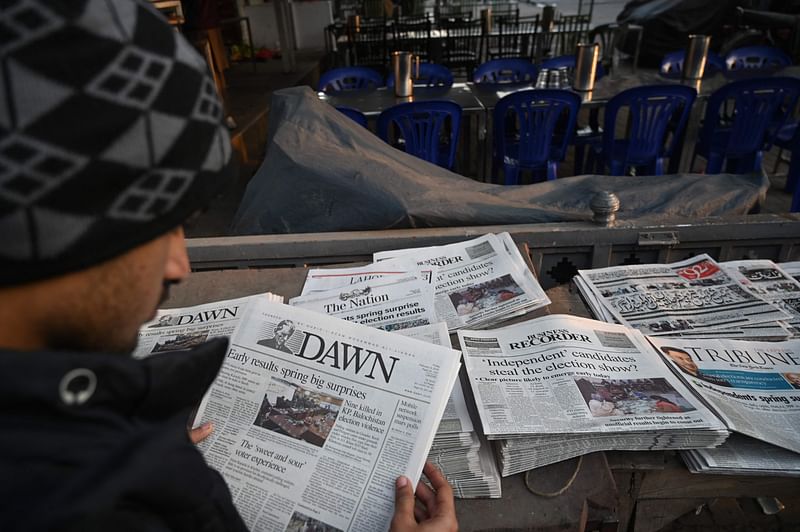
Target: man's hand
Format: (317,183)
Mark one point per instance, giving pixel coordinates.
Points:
(433,510)
(201,433)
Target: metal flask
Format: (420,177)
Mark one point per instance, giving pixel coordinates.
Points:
(586,56)
(403,66)
(486,20)
(694,64)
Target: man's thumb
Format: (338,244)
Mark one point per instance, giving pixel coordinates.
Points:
(404,502)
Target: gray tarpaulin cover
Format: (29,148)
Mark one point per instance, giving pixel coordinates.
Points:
(324,172)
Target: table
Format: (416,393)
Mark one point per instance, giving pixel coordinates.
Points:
(611,490)
(373,102)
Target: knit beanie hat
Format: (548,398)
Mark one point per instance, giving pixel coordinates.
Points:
(111,133)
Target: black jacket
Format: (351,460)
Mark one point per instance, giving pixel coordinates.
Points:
(114,459)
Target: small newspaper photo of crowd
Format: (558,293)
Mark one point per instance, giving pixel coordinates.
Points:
(630,397)
(485,295)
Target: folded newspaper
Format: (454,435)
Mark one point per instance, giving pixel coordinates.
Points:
(314,416)
(478,282)
(696,298)
(740,455)
(754,387)
(401,300)
(558,386)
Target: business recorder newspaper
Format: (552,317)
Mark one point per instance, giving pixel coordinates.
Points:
(753,386)
(315,417)
(695,296)
(479,281)
(548,376)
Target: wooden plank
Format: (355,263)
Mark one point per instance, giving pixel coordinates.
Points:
(636,460)
(675,482)
(628,483)
(590,498)
(654,515)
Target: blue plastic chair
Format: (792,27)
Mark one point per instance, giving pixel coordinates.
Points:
(568,61)
(349,79)
(421,127)
(533,115)
(592,135)
(430,75)
(756,58)
(353,114)
(657,116)
(506,71)
(740,122)
(672,65)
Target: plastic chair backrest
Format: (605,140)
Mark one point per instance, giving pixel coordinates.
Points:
(505,71)
(568,61)
(430,75)
(756,58)
(348,79)
(651,111)
(421,126)
(759,106)
(536,113)
(672,64)
(353,114)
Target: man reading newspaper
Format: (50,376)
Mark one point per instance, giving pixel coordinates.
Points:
(111,137)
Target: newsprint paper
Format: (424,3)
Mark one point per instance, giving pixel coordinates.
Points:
(565,375)
(740,455)
(753,386)
(692,297)
(315,417)
(479,282)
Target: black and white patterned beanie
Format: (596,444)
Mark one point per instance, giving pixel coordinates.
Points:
(111,133)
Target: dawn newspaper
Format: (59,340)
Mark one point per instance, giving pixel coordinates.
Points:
(314,417)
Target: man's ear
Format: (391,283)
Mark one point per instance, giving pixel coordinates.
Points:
(177,266)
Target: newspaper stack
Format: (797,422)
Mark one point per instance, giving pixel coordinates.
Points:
(478,283)
(397,296)
(314,417)
(558,386)
(694,298)
(741,455)
(772,283)
(792,268)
